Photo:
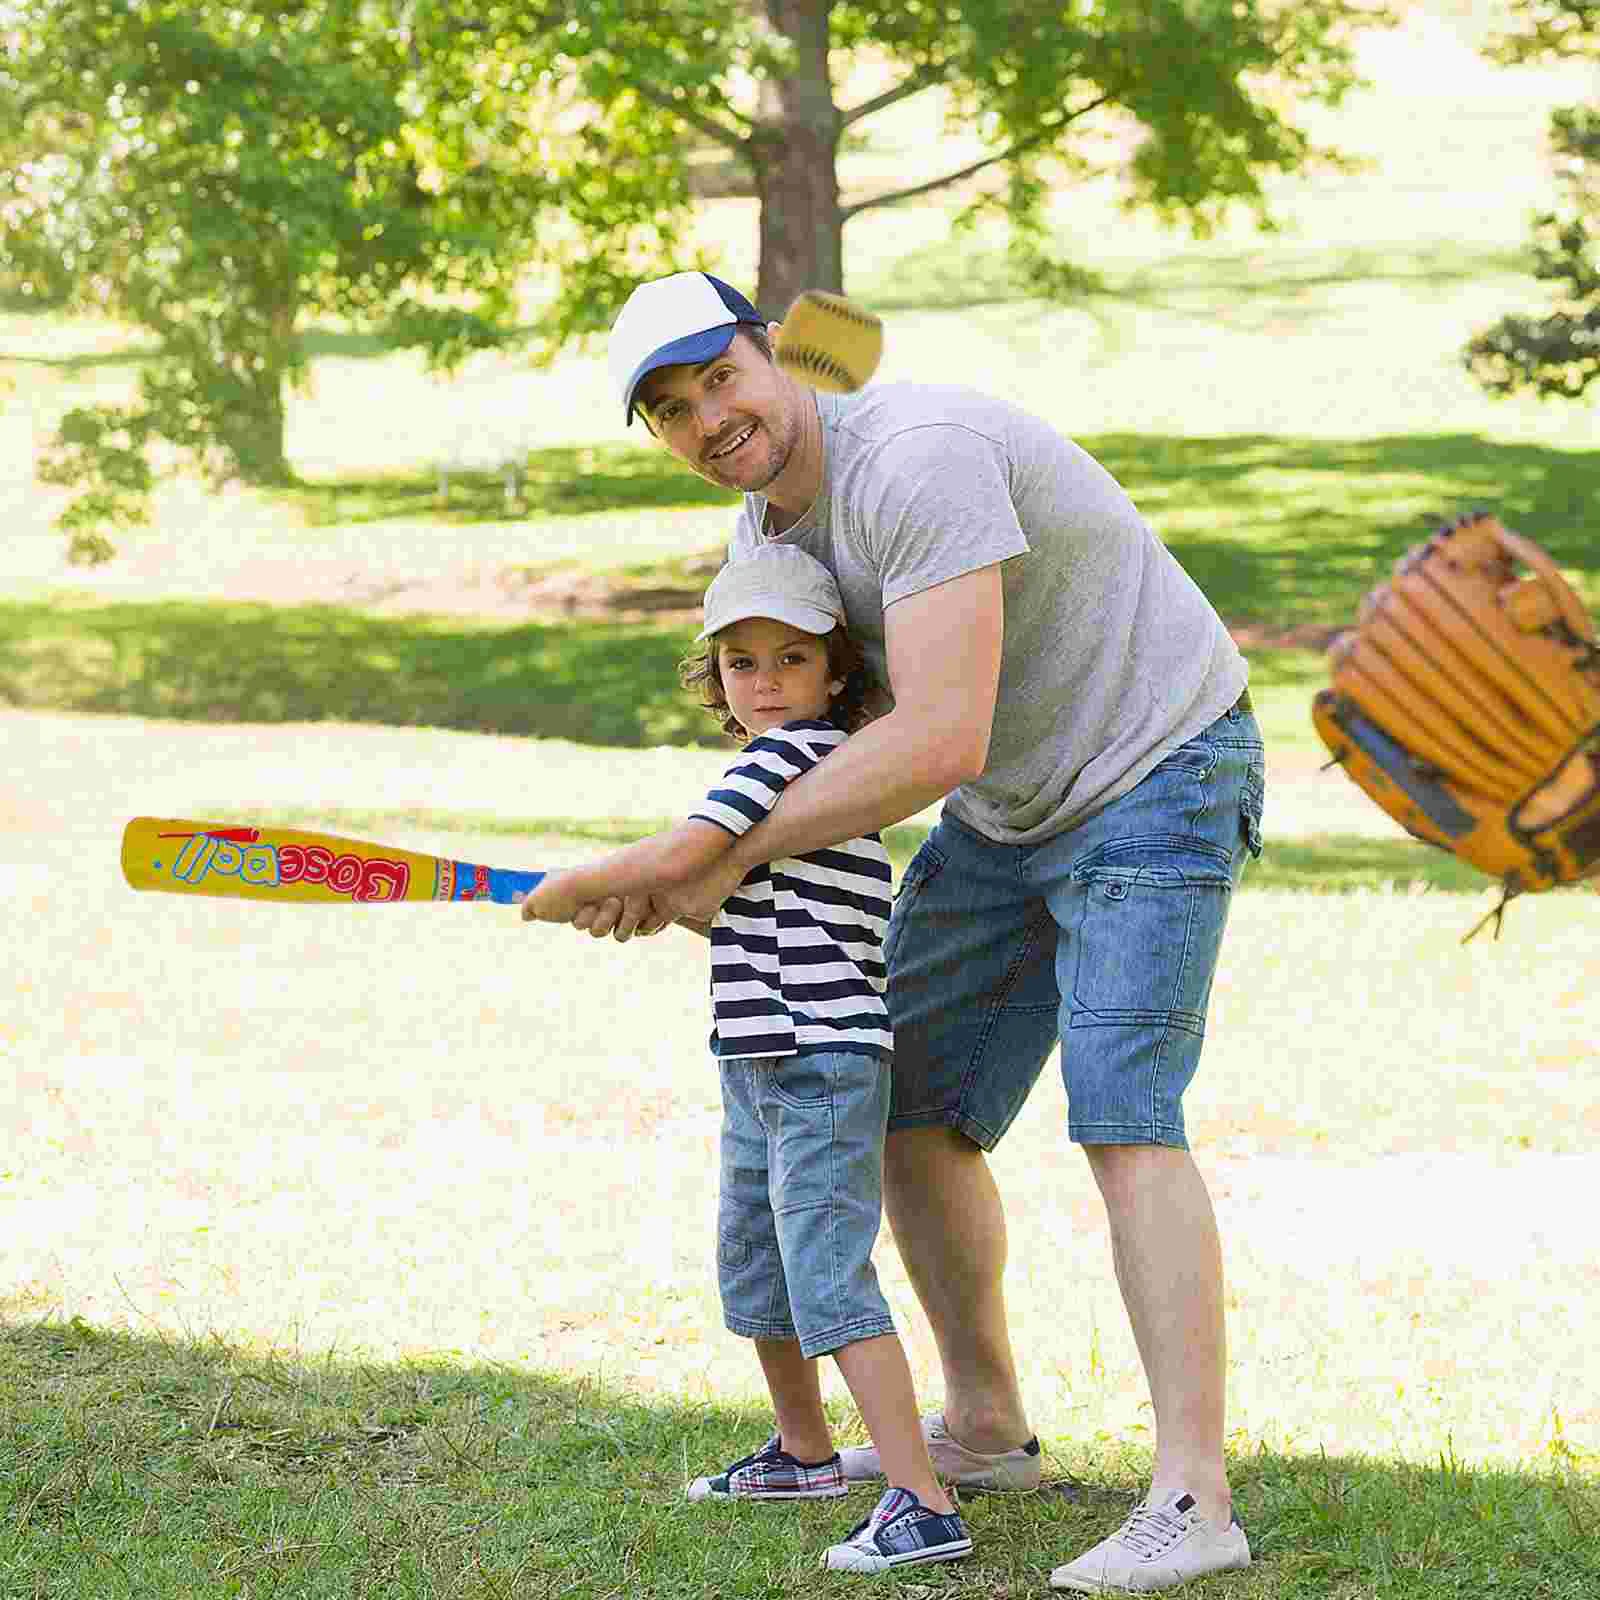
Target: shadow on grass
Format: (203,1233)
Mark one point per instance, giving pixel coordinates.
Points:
(1295,530)
(960,271)
(167,1463)
(1281,529)
(605,684)
(124,356)
(1287,532)
(557,481)
(315,343)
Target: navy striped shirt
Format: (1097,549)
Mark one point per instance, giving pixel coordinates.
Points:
(797,950)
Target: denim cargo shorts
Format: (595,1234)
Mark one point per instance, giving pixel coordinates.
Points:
(1103,939)
(802,1196)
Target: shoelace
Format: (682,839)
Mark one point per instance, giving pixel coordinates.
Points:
(1151,1529)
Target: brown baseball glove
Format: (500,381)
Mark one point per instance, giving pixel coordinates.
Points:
(1466,702)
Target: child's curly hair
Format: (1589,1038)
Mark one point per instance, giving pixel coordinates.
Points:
(847,710)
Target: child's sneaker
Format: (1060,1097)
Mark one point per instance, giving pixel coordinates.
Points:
(900,1532)
(1158,1547)
(773,1474)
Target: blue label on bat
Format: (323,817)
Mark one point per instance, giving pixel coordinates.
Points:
(462,880)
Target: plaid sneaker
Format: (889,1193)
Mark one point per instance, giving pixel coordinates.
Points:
(954,1462)
(1158,1547)
(900,1532)
(773,1474)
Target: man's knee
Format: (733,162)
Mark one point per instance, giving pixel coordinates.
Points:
(915,1158)
(1124,1171)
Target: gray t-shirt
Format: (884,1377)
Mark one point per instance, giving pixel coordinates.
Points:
(1112,655)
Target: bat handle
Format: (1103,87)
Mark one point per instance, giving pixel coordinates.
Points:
(507,887)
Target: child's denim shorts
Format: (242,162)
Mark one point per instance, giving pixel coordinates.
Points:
(1103,939)
(802,1195)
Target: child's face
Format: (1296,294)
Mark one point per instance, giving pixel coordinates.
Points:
(773,672)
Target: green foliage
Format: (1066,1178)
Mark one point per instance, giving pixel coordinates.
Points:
(1557,354)
(217,172)
(1202,86)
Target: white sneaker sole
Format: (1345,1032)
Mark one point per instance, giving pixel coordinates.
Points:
(846,1558)
(701,1489)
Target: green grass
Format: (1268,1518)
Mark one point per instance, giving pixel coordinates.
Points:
(176,1469)
(962,270)
(1279,531)
(562,481)
(596,683)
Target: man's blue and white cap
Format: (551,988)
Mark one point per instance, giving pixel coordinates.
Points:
(681,320)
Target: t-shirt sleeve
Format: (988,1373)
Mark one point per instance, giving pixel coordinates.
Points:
(749,789)
(938,505)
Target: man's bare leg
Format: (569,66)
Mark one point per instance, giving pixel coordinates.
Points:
(1168,1260)
(950,1228)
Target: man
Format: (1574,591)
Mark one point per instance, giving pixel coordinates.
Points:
(1062,681)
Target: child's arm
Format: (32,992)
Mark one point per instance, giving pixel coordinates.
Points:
(679,855)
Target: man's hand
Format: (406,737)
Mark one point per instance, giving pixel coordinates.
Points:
(559,899)
(700,899)
(553,900)
(695,902)
(622,917)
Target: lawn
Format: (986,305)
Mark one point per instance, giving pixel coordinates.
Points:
(367,1253)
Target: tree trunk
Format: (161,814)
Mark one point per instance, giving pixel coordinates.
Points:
(793,152)
(256,429)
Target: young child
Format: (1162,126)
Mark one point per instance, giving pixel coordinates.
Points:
(802,1037)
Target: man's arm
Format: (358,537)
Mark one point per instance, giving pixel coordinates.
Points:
(943,648)
(652,866)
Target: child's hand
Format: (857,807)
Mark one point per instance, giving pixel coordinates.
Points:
(553,900)
(699,899)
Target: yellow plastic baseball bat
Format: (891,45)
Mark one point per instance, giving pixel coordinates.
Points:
(294,866)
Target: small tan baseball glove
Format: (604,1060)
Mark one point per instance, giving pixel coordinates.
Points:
(1466,702)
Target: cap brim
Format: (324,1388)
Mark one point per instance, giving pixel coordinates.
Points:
(812,619)
(688,351)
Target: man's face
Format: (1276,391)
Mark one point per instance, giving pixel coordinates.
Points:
(735,420)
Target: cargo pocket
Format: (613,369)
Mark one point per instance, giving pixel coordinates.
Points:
(1252,804)
(924,866)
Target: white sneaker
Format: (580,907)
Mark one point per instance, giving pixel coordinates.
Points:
(954,1462)
(1158,1547)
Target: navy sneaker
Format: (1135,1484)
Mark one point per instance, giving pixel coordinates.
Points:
(900,1533)
(771,1473)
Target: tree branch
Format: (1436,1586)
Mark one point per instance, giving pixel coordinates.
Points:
(731,137)
(925,78)
(1009,153)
